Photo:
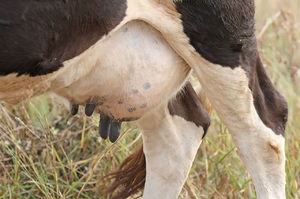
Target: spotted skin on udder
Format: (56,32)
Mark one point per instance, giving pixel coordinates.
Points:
(143,105)
(132,109)
(147,86)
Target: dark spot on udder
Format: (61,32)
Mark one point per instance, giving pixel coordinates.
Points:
(131,110)
(143,105)
(135,91)
(120,102)
(147,86)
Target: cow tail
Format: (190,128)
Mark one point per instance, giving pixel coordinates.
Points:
(129,179)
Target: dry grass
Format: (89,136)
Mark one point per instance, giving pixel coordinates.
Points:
(46,153)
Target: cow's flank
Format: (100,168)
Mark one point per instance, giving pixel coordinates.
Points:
(38,36)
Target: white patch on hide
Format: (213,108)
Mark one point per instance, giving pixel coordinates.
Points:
(170,144)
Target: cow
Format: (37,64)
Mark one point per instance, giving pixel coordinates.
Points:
(130,60)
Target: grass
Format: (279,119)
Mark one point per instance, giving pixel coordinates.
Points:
(46,153)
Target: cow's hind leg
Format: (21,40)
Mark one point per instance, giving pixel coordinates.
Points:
(171,138)
(255,114)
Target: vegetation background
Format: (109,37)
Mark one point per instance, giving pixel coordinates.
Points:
(46,153)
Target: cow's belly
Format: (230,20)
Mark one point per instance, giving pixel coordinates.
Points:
(135,70)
